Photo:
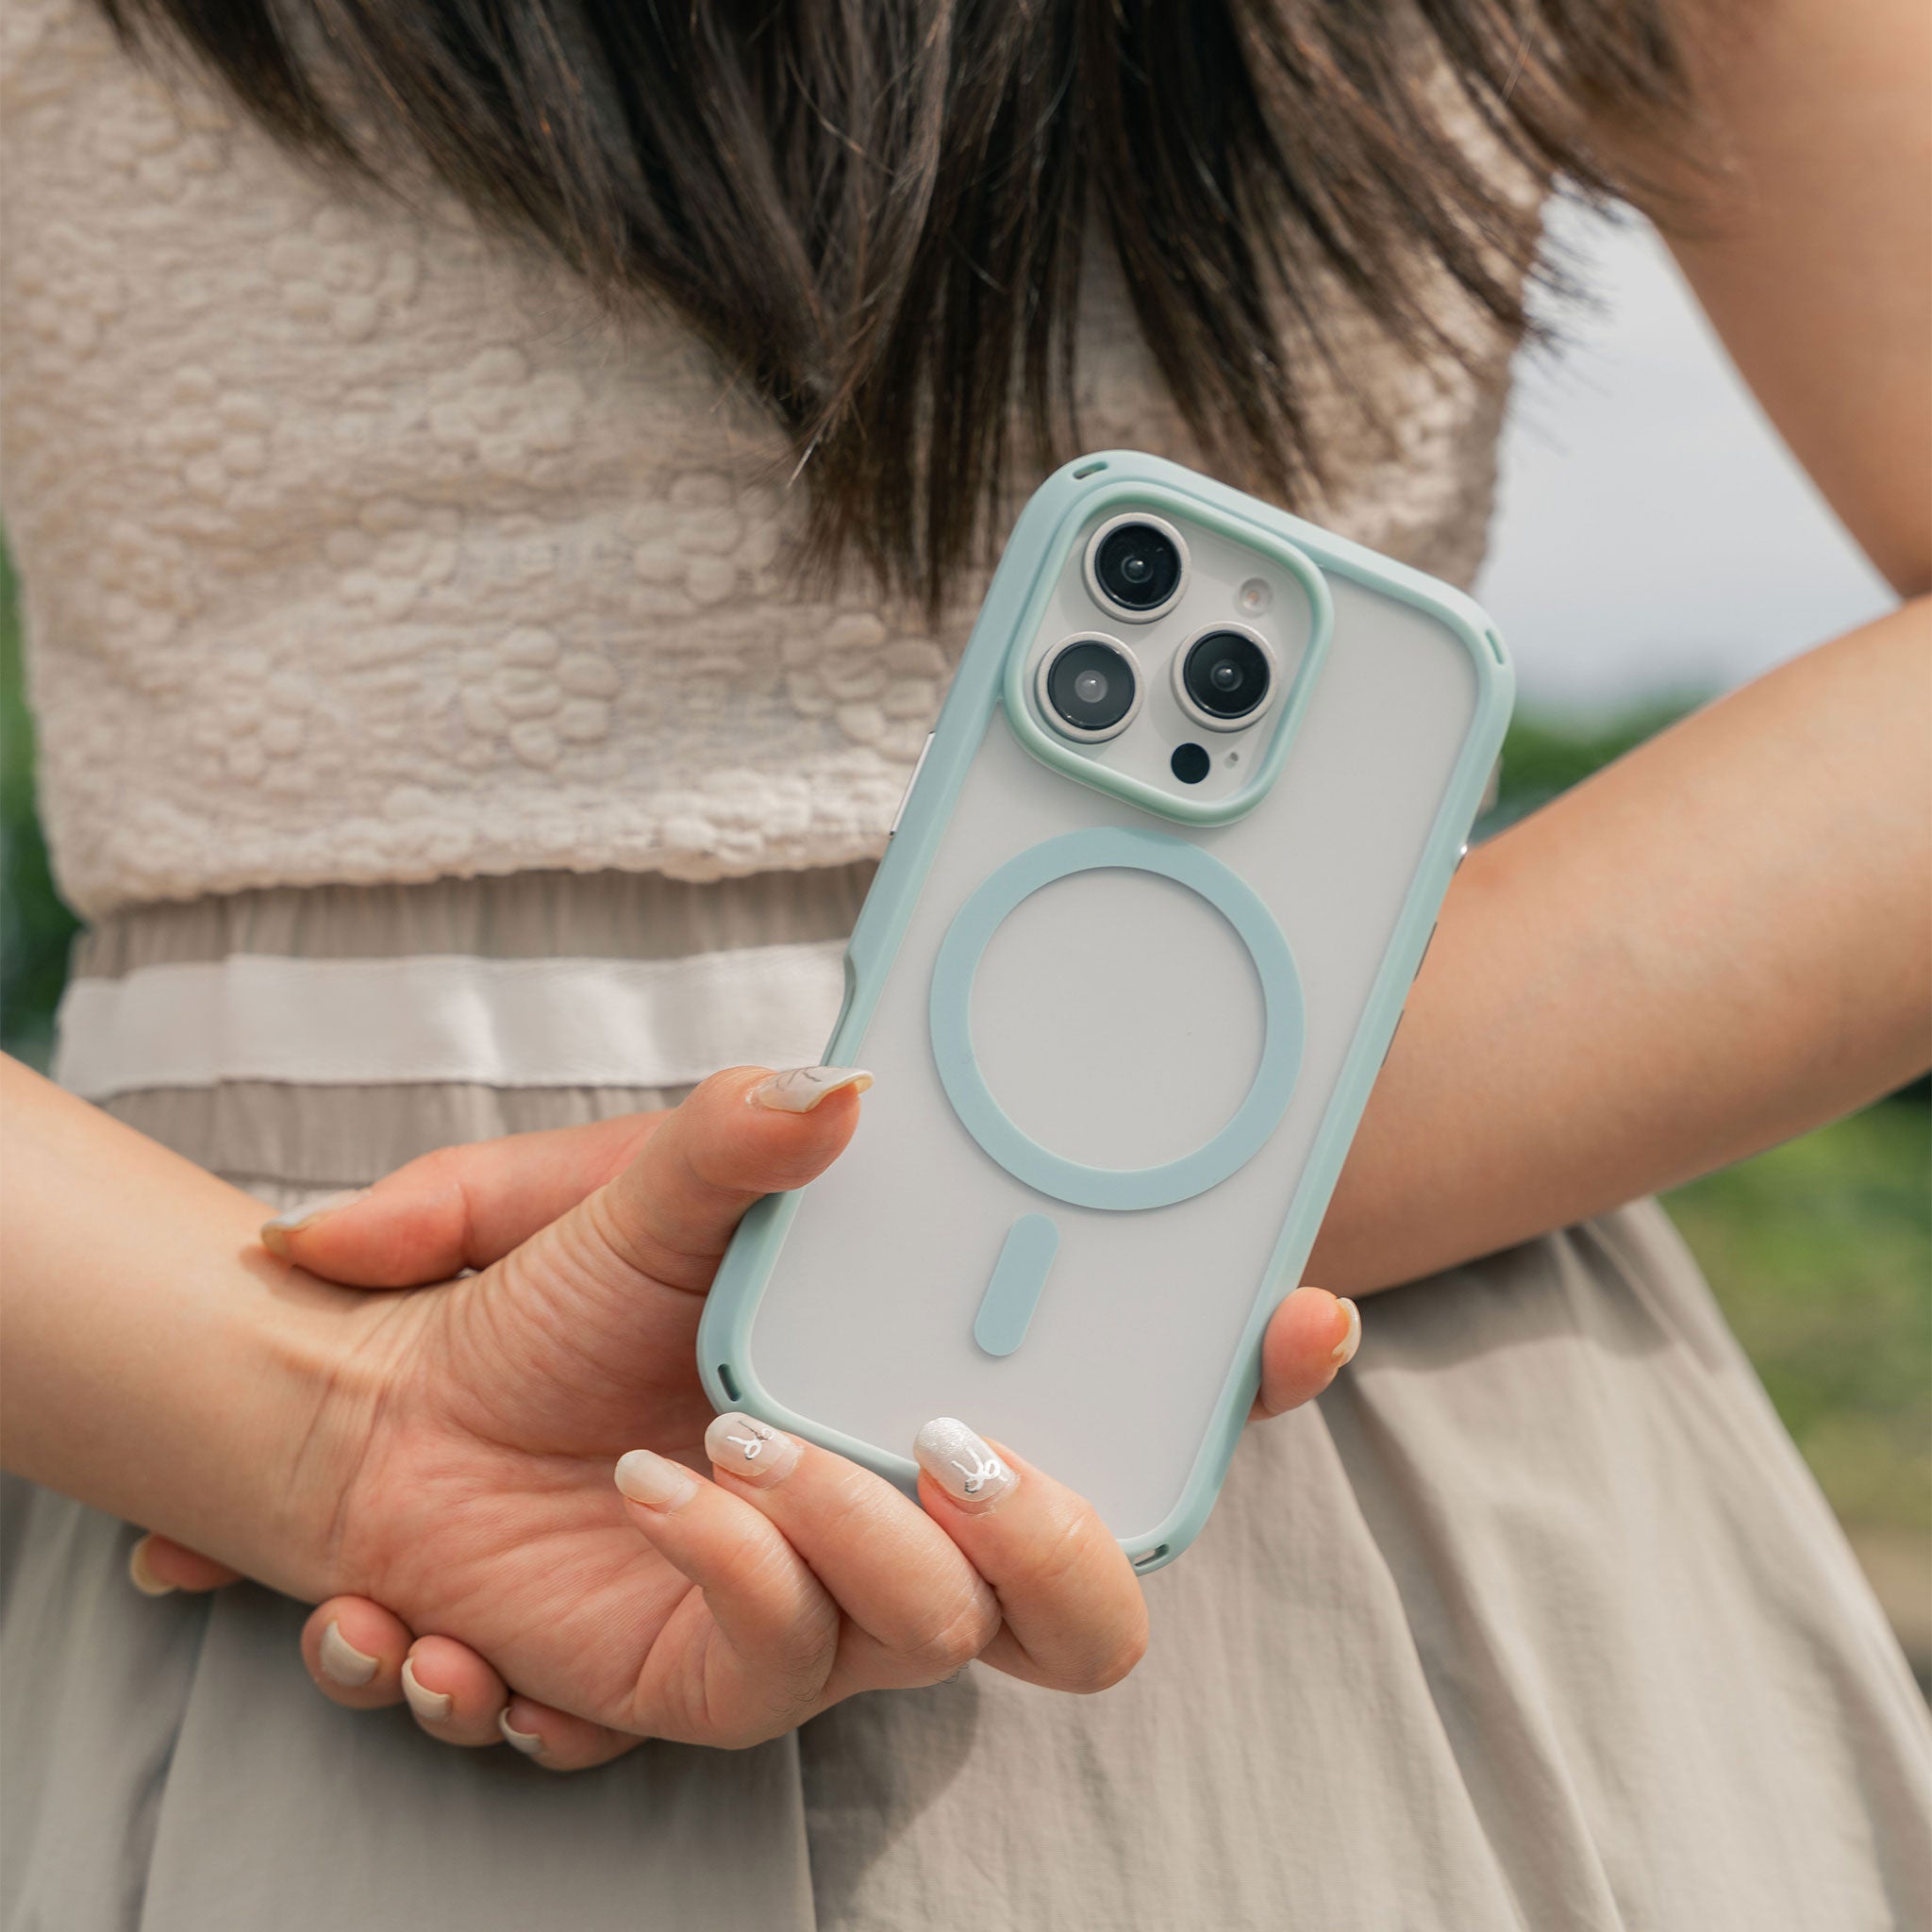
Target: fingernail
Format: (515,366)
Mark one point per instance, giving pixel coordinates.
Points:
(276,1233)
(963,1464)
(801,1089)
(433,1707)
(753,1452)
(655,1481)
(144,1579)
(1345,1348)
(342,1663)
(529,1743)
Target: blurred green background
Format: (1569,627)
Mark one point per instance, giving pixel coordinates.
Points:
(1820,1251)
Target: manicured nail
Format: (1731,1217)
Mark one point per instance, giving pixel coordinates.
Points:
(433,1707)
(529,1743)
(801,1089)
(342,1663)
(963,1464)
(276,1233)
(751,1451)
(144,1579)
(1345,1348)
(655,1481)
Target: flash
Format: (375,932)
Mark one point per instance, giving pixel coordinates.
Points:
(1255,596)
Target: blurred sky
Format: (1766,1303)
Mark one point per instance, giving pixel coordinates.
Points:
(1653,533)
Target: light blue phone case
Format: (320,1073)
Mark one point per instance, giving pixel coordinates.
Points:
(1123,1027)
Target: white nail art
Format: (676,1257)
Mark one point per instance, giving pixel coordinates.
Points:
(529,1743)
(750,1449)
(963,1464)
(1345,1348)
(342,1663)
(801,1089)
(433,1707)
(655,1481)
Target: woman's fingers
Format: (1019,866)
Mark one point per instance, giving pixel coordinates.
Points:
(1074,1616)
(362,1655)
(748,1658)
(1003,1561)
(557,1741)
(452,1694)
(158,1564)
(821,1578)
(918,1608)
(1311,1336)
(355,1651)
(458,1207)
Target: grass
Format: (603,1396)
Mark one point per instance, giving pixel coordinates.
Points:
(1820,1254)
(35,928)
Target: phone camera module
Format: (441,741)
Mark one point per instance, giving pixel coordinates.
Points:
(1091,687)
(1137,566)
(1224,678)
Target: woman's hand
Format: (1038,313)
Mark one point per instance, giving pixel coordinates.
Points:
(481,1513)
(506,1592)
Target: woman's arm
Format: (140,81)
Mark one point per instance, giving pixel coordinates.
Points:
(154,1360)
(1725,938)
(1812,253)
(1720,940)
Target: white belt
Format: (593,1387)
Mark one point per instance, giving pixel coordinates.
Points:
(449,1018)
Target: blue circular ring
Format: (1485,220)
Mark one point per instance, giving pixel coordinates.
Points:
(1117,1188)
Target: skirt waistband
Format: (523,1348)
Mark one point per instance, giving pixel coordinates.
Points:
(443,1010)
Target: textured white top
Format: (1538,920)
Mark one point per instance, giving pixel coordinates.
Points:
(356,547)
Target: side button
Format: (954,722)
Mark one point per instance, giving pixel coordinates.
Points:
(918,765)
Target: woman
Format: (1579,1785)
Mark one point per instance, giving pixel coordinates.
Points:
(412,639)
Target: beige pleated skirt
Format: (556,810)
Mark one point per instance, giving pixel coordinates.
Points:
(1535,1621)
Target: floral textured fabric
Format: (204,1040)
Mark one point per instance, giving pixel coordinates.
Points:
(356,547)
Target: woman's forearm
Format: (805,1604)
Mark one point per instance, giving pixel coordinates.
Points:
(1719,941)
(153,1361)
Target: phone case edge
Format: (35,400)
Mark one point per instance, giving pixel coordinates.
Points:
(724,1329)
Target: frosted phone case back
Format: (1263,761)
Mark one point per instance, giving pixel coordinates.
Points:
(1123,1027)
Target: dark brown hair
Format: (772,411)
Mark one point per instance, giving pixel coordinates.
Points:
(874,210)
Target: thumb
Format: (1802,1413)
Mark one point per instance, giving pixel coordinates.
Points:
(458,1207)
(743,1134)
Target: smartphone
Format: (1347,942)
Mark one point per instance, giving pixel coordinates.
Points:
(1133,958)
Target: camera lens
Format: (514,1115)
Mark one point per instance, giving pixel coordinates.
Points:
(1137,565)
(1226,675)
(1090,684)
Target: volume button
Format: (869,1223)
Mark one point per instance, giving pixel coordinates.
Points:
(918,765)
